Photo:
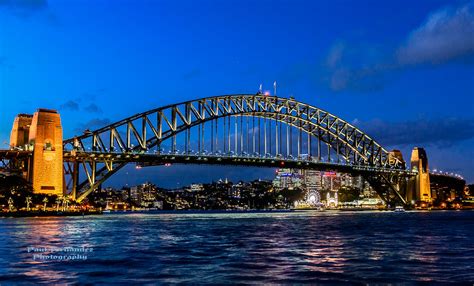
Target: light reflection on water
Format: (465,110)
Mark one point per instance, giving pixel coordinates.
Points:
(300,247)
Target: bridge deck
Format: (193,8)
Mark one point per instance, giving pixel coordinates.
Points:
(10,154)
(146,160)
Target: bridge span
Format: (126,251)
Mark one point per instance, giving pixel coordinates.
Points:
(245,130)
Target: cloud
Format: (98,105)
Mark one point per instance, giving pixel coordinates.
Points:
(447,34)
(70,105)
(92,124)
(443,132)
(93,108)
(355,67)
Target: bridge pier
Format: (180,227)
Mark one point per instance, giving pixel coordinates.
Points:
(419,186)
(42,134)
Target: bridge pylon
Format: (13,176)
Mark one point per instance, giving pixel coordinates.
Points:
(419,186)
(46,139)
(19,139)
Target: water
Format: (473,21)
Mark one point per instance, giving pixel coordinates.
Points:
(292,247)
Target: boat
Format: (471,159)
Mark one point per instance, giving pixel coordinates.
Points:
(399,209)
(107,209)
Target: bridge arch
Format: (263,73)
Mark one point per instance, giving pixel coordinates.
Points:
(144,131)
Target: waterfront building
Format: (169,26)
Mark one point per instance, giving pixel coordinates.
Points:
(288,179)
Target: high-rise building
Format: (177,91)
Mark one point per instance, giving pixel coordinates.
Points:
(312,179)
(288,179)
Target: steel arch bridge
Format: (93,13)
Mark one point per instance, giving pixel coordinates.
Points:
(247,129)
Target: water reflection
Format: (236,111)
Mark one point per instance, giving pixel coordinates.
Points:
(297,247)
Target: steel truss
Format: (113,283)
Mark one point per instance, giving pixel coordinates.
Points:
(127,140)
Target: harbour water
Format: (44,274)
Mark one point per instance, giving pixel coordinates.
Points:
(268,247)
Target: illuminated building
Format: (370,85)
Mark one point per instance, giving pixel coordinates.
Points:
(196,187)
(287,179)
(331,199)
(312,179)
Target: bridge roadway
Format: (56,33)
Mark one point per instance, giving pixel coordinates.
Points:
(151,159)
(11,154)
(9,158)
(155,159)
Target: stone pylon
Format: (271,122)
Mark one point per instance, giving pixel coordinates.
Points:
(19,137)
(46,138)
(419,186)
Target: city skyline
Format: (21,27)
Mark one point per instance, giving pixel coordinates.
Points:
(368,71)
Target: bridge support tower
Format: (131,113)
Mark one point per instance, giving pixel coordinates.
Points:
(19,139)
(41,133)
(419,186)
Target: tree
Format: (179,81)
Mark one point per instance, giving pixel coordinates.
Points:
(28,202)
(11,207)
(45,201)
(58,202)
(292,196)
(348,194)
(16,188)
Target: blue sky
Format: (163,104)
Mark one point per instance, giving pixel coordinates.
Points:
(403,71)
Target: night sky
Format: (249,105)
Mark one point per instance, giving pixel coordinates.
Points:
(403,71)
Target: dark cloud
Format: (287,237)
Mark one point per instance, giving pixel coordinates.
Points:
(93,108)
(356,67)
(70,105)
(447,34)
(83,103)
(440,132)
(192,74)
(92,124)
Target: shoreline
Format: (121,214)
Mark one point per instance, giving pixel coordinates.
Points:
(89,213)
(47,214)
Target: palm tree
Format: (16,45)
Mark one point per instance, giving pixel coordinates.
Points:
(28,202)
(64,203)
(10,204)
(58,201)
(45,201)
